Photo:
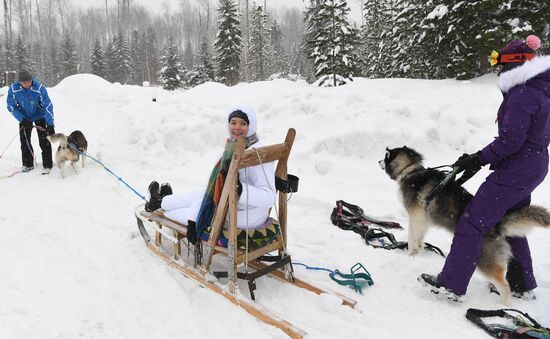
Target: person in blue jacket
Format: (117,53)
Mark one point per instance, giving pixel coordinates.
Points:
(29,103)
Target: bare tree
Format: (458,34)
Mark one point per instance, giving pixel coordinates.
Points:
(107,18)
(7,19)
(123,16)
(40,35)
(60,4)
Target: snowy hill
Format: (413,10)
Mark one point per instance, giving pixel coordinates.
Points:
(73,264)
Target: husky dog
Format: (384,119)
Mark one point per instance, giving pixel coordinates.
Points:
(66,152)
(404,165)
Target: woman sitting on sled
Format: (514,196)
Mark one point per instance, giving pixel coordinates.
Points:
(256,184)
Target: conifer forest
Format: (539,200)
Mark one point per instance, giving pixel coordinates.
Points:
(233,41)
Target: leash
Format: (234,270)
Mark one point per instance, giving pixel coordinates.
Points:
(15,136)
(437,189)
(10,175)
(355,280)
(74,148)
(29,146)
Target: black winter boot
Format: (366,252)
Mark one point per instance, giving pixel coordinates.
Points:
(155,199)
(165,189)
(432,283)
(525,295)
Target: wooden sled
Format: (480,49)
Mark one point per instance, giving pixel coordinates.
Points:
(280,266)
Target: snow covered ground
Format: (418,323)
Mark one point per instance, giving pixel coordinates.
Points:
(73,264)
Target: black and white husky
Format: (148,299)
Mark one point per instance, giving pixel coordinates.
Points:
(404,165)
(65,152)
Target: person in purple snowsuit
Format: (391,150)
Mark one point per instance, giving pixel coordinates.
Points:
(519,159)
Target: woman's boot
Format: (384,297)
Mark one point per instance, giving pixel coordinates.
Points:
(155,198)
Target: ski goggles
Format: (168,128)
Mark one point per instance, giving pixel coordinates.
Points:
(497,58)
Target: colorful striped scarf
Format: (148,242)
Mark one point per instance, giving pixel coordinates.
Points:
(214,189)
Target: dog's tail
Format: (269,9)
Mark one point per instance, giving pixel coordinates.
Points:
(58,137)
(522,221)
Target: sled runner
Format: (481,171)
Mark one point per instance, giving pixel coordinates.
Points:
(263,250)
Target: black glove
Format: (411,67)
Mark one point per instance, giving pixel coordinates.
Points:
(239,187)
(50,129)
(470,164)
(26,123)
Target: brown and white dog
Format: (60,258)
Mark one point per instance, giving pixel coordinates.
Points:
(65,152)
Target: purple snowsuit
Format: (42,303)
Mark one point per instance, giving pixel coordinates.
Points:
(519,158)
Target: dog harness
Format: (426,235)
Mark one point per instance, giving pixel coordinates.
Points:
(350,217)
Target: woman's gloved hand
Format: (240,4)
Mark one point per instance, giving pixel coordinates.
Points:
(470,164)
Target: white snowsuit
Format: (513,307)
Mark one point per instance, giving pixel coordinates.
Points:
(257,197)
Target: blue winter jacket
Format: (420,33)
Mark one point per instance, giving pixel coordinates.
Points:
(32,104)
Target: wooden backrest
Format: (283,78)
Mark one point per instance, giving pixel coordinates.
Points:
(245,158)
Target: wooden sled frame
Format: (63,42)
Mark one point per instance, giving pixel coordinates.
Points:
(228,204)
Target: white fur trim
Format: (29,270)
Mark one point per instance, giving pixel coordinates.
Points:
(523,73)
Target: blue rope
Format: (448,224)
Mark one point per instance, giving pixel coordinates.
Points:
(74,148)
(356,280)
(313,267)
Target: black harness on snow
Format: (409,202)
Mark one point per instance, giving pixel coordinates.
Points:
(522,325)
(350,217)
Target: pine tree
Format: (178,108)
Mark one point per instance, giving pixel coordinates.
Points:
(54,71)
(121,59)
(258,54)
(470,37)
(526,17)
(467,32)
(3,66)
(170,74)
(38,60)
(371,33)
(9,57)
(203,71)
(410,56)
(109,62)
(228,44)
(309,38)
(136,59)
(151,55)
(188,56)
(69,59)
(278,60)
(334,44)
(299,64)
(20,56)
(97,61)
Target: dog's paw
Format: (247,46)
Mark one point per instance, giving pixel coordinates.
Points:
(413,252)
(414,249)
